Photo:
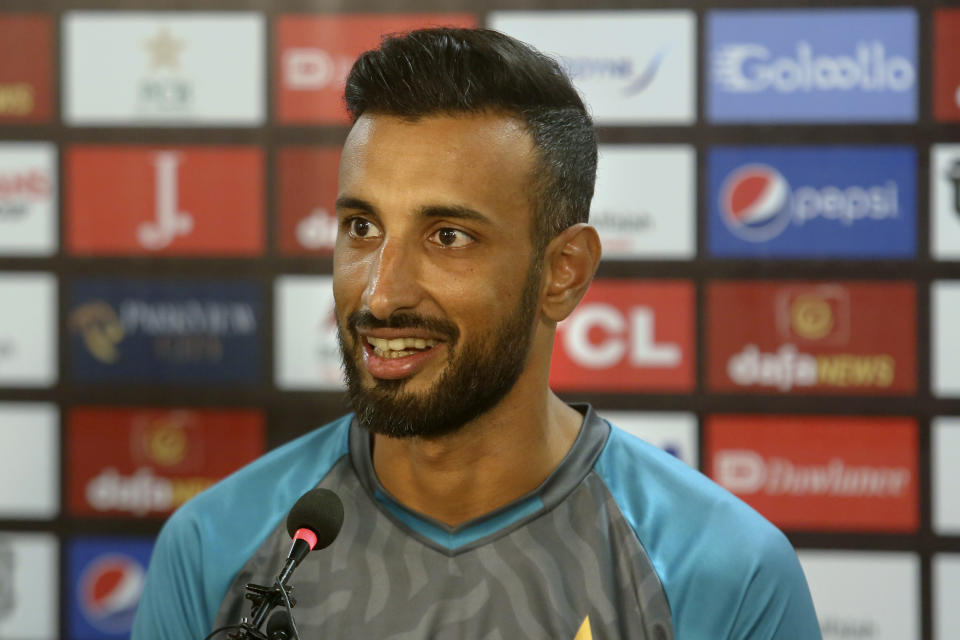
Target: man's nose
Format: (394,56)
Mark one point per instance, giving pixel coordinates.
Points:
(393,282)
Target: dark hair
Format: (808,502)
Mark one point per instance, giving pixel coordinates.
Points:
(448,70)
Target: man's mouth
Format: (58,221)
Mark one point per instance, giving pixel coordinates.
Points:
(399,347)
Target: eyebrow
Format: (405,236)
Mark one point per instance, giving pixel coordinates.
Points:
(427,211)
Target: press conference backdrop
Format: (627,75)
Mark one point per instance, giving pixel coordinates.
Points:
(778,303)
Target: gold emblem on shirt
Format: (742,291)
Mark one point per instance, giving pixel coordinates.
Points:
(584,632)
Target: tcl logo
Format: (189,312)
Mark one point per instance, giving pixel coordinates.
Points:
(627,335)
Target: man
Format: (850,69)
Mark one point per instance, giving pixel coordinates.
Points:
(477,504)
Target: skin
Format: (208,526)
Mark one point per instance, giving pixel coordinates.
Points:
(466,263)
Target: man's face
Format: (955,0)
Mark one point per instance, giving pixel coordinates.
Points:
(434,279)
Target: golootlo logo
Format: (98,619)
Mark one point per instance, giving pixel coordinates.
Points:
(754,202)
(110,589)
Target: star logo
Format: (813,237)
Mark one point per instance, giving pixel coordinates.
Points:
(164,50)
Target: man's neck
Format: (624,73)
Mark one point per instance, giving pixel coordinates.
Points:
(490,462)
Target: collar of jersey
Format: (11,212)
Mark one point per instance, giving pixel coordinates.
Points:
(474,533)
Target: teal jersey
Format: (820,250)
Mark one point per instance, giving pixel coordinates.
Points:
(621,541)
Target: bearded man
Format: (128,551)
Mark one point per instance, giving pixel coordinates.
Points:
(478,505)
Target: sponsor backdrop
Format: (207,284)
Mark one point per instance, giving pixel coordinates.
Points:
(778,197)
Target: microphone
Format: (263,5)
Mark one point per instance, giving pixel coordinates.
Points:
(313,523)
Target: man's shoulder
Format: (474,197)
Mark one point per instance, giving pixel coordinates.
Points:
(714,553)
(205,542)
(274,478)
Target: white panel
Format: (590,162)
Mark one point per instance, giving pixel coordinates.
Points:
(945,201)
(945,339)
(631,67)
(865,594)
(29,460)
(28,337)
(644,206)
(307,354)
(946,596)
(945,458)
(674,432)
(28,199)
(163,68)
(29,586)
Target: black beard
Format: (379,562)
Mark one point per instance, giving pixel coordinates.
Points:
(476,379)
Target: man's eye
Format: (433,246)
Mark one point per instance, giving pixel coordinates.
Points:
(451,238)
(362,228)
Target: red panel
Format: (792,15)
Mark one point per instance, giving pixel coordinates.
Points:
(812,337)
(946,64)
(315,53)
(164,201)
(628,335)
(147,462)
(26,68)
(306,195)
(819,473)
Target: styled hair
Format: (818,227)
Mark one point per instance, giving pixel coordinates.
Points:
(449,71)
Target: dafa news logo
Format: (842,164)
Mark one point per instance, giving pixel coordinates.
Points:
(166,331)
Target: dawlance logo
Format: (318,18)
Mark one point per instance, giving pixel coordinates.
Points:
(629,337)
(752,68)
(746,472)
(757,203)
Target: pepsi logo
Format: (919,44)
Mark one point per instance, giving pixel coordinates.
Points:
(754,202)
(110,589)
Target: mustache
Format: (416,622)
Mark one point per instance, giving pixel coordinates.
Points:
(403,320)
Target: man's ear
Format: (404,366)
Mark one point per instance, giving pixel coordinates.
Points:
(569,264)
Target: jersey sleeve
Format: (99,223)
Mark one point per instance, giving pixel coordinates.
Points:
(206,541)
(172,604)
(728,573)
(775,602)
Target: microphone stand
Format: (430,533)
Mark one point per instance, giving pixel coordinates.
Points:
(264,600)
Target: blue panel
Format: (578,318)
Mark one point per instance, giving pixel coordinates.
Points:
(105,581)
(816,65)
(812,202)
(164,331)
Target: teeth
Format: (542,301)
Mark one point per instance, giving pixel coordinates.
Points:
(399,347)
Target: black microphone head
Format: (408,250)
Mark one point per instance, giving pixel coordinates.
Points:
(319,510)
